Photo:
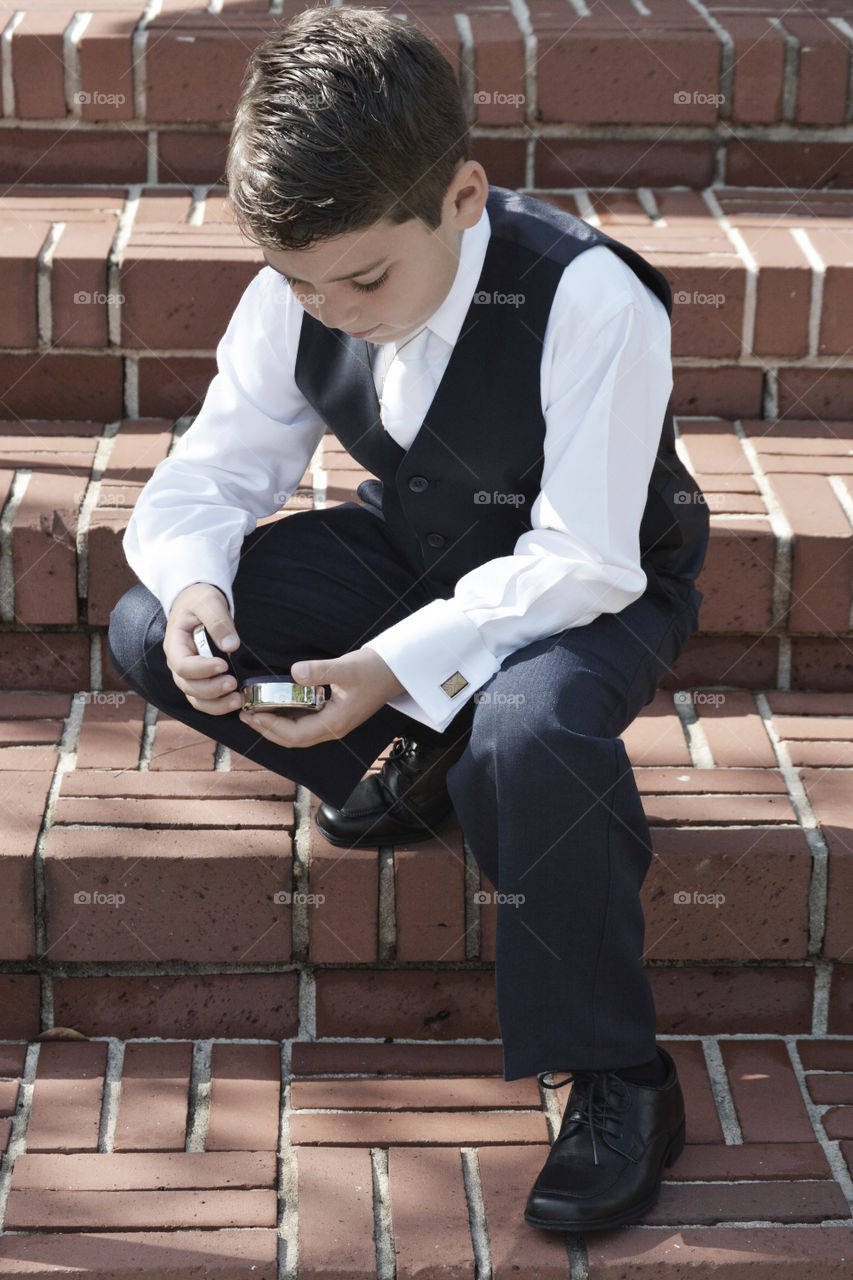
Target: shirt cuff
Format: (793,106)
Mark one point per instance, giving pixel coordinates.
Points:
(183,562)
(438,655)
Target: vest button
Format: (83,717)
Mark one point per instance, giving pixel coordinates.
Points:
(417,484)
(435,539)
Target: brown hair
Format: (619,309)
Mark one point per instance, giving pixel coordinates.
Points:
(346,116)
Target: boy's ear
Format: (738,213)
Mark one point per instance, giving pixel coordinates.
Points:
(467,194)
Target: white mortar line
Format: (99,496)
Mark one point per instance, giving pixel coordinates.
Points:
(831,1148)
(131,386)
(820,1008)
(586,207)
(723,1100)
(222,758)
(770,394)
(477,1214)
(112,1093)
(387,910)
(580,7)
(836,484)
(846,30)
(701,756)
(307,1005)
(642,9)
(195,217)
(44,301)
(750,300)
(727,57)
(299,905)
(790,71)
(521,13)
(139,44)
(96,674)
(6,78)
(114,262)
(818,267)
(88,502)
(277,6)
(386,1257)
(198,1102)
(288,1179)
(811,829)
(467,65)
(74,97)
(149,729)
(784,534)
(646,197)
(7,563)
(20,1120)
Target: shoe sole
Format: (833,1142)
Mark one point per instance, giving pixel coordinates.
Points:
(673,1151)
(414,836)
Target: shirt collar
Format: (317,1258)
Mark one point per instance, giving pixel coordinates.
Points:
(448,319)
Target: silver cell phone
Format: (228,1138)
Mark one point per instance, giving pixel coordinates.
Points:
(274,693)
(202,644)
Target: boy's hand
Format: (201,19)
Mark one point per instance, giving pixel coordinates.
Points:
(361,682)
(202,679)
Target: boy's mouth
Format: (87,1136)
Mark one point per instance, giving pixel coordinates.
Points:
(364,334)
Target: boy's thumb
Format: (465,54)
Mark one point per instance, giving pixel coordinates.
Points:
(301,672)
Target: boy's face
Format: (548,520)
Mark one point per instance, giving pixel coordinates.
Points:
(382,283)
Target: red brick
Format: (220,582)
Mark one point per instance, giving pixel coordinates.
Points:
(784,291)
(731,391)
(822,541)
(106,66)
(29,733)
(5,1134)
(78,281)
(763,877)
(12,1059)
(610,162)
(29,758)
(209,899)
(389,1128)
(344,912)
(815,393)
(766,1094)
(826,1055)
(796,1202)
(430,889)
(191,157)
(66,1105)
(8,1097)
(195,64)
(838,938)
(54,385)
(155,1082)
(835,249)
(429,1214)
(411,1004)
(735,660)
(703,1118)
(111,732)
(142,1170)
(139,446)
(753,1161)
(656,736)
(684,811)
(507,1174)
(838,1122)
(673,782)
(23,797)
(44,549)
(173,385)
(200,1255)
(20,998)
(801,164)
(221,785)
(503,159)
(20,244)
(335,1214)
(244,1098)
(735,732)
(37,65)
(822,61)
(831,1088)
(110,576)
(714,999)
(235,1004)
(820,662)
(74,1210)
(210,812)
(314,1058)
(731,1253)
(439,1094)
(713,447)
(737,577)
(53,155)
(759,60)
(34,706)
(840,1020)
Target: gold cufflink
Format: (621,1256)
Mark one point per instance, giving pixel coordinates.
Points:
(454,684)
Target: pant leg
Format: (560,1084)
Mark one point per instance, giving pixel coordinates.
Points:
(547,798)
(315,584)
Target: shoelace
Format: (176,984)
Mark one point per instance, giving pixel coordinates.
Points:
(598,1110)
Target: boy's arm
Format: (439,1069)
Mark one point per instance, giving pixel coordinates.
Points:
(605,388)
(240,460)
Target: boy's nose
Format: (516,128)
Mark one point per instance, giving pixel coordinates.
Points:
(338,315)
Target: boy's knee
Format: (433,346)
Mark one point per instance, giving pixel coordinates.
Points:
(137,625)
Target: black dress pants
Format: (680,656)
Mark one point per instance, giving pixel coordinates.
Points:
(544,790)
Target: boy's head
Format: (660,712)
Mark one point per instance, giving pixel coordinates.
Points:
(347,117)
(348,164)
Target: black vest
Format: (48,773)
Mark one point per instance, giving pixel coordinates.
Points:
(463,491)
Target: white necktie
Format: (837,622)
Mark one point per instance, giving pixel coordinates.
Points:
(407,390)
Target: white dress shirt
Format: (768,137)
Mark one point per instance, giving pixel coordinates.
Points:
(606,377)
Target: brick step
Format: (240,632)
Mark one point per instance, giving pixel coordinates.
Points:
(616,94)
(776,581)
(159,1158)
(156,886)
(123,293)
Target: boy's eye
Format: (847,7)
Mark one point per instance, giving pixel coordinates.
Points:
(374,284)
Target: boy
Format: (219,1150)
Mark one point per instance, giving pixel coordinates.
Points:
(503,369)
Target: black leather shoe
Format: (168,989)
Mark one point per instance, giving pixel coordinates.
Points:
(405,802)
(606,1164)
